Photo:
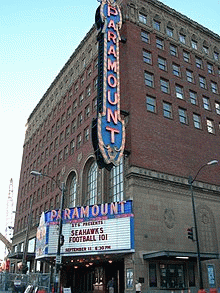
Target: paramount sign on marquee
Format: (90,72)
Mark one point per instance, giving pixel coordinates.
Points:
(103,228)
(108,129)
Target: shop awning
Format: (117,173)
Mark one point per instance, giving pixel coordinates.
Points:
(178,254)
(19,255)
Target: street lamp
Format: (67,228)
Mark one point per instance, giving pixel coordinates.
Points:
(190,181)
(60,236)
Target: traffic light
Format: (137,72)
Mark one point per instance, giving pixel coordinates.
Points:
(190,233)
(61,240)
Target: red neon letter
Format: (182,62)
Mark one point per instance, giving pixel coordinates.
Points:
(112,24)
(113,131)
(113,116)
(111,51)
(112,36)
(109,98)
(112,65)
(112,10)
(110,77)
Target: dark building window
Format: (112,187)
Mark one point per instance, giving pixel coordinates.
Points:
(145,37)
(167,110)
(152,275)
(151,104)
(149,79)
(172,276)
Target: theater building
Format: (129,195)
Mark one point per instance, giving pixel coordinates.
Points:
(128,220)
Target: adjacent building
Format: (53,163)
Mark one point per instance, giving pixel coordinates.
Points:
(129,222)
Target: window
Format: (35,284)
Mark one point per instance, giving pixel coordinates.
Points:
(162,63)
(67,134)
(186,56)
(92,185)
(94,104)
(197,121)
(206,103)
(210,68)
(142,18)
(66,152)
(156,25)
(183,116)
(149,79)
(116,188)
(145,37)
(202,82)
(216,56)
(167,110)
(72,146)
(170,32)
(176,69)
(210,126)
(172,276)
(182,38)
(219,71)
(199,63)
(189,75)
(95,83)
(151,104)
(214,87)
(73,126)
(194,44)
(88,91)
(159,43)
(86,134)
(79,140)
(164,85)
(80,119)
(179,92)
(193,97)
(81,97)
(206,50)
(87,111)
(217,107)
(173,50)
(72,191)
(147,57)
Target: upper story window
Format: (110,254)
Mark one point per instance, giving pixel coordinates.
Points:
(217,107)
(167,110)
(193,97)
(173,50)
(210,68)
(156,25)
(116,190)
(72,191)
(147,57)
(202,82)
(149,79)
(151,104)
(182,38)
(164,86)
(162,63)
(91,198)
(206,49)
(197,121)
(189,76)
(199,63)
(206,103)
(159,43)
(183,116)
(186,56)
(194,44)
(176,69)
(210,126)
(214,87)
(179,92)
(142,18)
(216,56)
(170,32)
(145,37)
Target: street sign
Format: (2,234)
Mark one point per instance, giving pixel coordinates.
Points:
(58,259)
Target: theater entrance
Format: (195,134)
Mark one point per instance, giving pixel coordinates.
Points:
(94,276)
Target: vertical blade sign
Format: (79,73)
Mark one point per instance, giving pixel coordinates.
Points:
(108,131)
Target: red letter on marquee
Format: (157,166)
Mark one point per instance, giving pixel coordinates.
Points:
(114,84)
(113,131)
(112,36)
(113,116)
(112,10)
(109,98)
(112,65)
(112,24)
(111,51)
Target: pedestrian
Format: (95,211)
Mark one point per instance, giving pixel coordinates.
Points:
(138,287)
(111,285)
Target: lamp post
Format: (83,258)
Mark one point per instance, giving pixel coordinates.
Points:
(191,180)
(58,255)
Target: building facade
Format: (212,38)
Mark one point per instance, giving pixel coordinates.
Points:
(170,105)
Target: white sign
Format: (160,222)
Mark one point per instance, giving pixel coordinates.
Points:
(90,237)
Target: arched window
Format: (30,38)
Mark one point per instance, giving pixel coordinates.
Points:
(72,192)
(117,183)
(92,185)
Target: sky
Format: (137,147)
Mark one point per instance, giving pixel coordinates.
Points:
(37,38)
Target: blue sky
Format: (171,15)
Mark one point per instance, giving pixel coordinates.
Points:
(37,38)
